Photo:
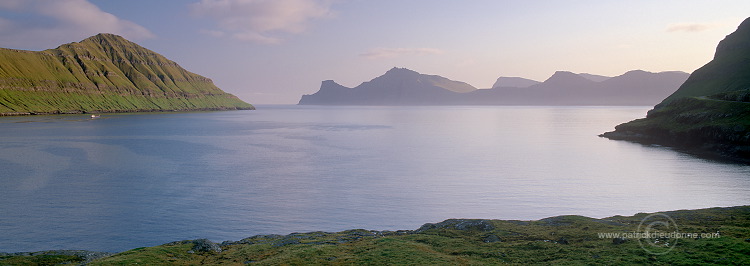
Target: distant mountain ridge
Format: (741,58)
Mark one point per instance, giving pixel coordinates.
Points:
(103,73)
(398,86)
(710,113)
(635,87)
(595,78)
(401,86)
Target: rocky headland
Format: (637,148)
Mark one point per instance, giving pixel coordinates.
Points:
(709,115)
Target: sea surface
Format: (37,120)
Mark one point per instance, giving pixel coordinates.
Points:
(123,181)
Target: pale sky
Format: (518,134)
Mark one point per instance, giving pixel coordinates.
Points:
(273,51)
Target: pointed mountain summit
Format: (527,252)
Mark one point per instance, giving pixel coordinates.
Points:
(398,86)
(565,84)
(402,78)
(103,73)
(567,79)
(710,113)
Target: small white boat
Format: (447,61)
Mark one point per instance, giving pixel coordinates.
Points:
(95,116)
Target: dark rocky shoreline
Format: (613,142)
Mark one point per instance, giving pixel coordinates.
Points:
(721,152)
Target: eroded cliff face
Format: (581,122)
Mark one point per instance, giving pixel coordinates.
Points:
(104,73)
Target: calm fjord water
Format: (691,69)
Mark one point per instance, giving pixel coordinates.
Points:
(124,181)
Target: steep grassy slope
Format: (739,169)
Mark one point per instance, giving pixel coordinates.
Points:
(104,73)
(728,71)
(708,236)
(710,113)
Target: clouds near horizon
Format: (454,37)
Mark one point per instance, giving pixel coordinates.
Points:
(692,27)
(260,21)
(60,21)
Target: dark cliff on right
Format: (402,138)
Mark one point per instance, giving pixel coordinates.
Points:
(709,115)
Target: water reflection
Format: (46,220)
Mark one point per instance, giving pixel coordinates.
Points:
(125,181)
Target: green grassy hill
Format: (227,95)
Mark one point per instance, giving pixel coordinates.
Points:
(710,113)
(104,73)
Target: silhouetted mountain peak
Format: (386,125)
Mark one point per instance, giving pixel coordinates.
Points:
(404,78)
(398,74)
(637,71)
(634,73)
(566,78)
(562,75)
(401,71)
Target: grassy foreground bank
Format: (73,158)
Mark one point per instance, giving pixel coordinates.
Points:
(705,236)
